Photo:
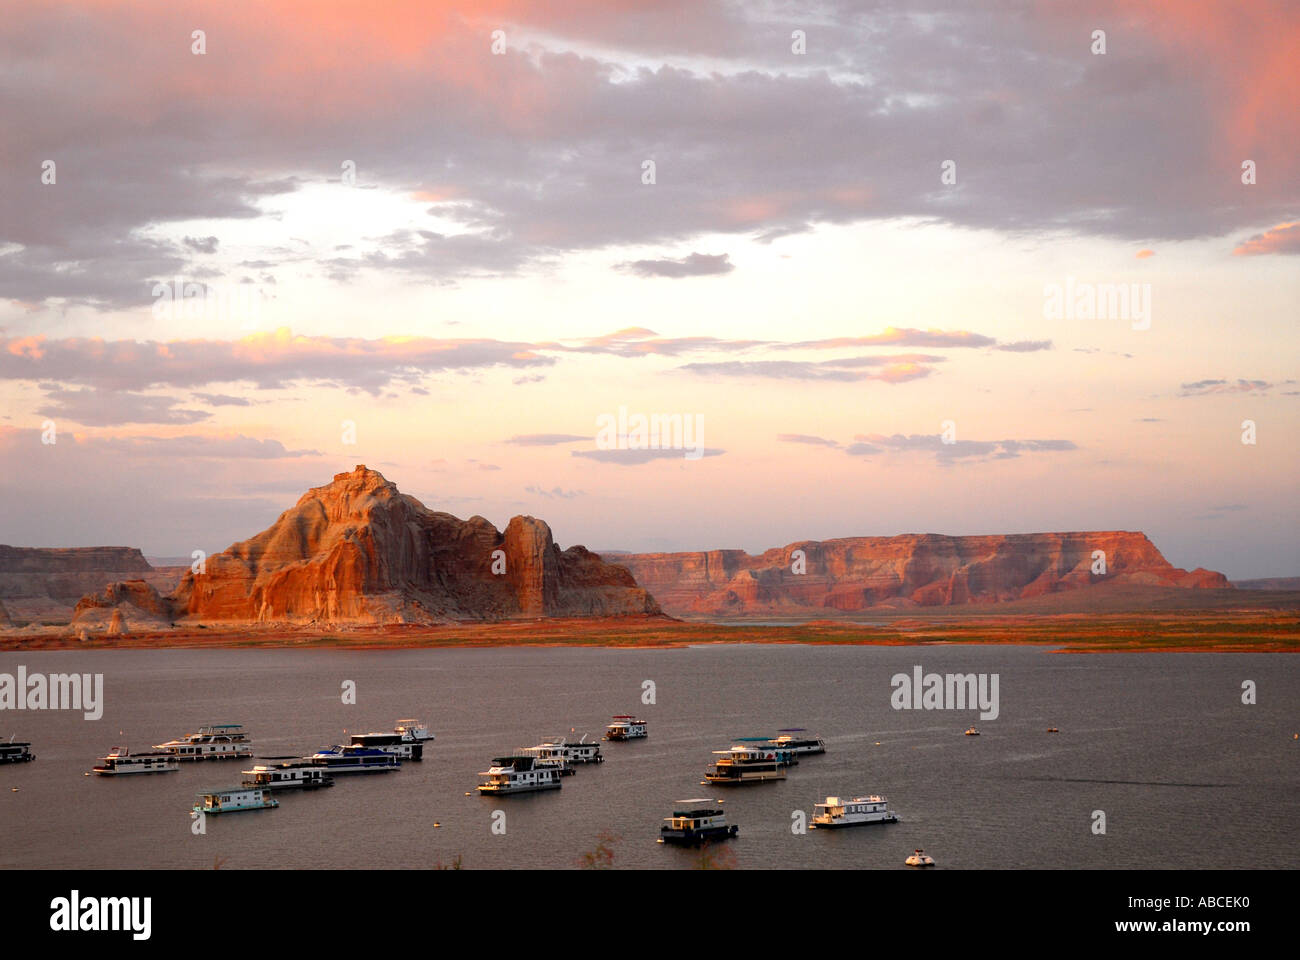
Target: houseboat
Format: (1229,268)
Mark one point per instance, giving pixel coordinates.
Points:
(625,728)
(16,751)
(406,741)
(286,776)
(234,799)
(920,858)
(836,812)
(795,740)
(350,758)
(699,824)
(743,764)
(120,760)
(520,774)
(557,748)
(217,741)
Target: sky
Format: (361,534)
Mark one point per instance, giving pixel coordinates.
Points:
(853,244)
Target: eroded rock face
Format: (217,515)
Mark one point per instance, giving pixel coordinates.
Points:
(359,551)
(916,570)
(43,583)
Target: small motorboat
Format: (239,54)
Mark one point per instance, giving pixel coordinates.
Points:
(920,858)
(971,731)
(1053,730)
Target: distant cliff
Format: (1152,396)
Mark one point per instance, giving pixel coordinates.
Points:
(917,570)
(45,582)
(359,551)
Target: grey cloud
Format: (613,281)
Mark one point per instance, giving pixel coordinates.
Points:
(101,408)
(637,457)
(806,438)
(1200,388)
(695,265)
(545,439)
(871,444)
(1034,125)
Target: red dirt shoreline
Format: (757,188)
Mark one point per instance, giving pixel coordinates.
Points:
(1252,631)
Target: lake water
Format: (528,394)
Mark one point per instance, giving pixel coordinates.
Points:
(1187,776)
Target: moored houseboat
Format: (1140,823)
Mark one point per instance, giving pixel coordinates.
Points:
(520,774)
(795,740)
(557,748)
(699,824)
(121,761)
(837,812)
(216,741)
(406,741)
(742,764)
(349,758)
(301,774)
(16,751)
(625,727)
(234,799)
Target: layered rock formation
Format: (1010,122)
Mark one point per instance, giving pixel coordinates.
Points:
(922,570)
(39,583)
(359,551)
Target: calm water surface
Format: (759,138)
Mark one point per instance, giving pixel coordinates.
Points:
(1187,775)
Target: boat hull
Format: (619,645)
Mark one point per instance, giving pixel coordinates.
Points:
(270,805)
(841,824)
(749,777)
(488,789)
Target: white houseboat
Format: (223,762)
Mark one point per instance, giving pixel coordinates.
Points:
(625,728)
(742,764)
(285,776)
(234,799)
(837,812)
(701,824)
(217,741)
(557,748)
(120,760)
(406,741)
(520,774)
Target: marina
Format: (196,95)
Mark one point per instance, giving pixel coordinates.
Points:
(947,800)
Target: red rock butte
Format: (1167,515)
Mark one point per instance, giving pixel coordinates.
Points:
(359,551)
(916,570)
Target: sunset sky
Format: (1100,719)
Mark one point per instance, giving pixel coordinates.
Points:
(499,275)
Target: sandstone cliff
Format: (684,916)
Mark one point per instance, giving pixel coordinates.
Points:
(43,583)
(358,551)
(921,570)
